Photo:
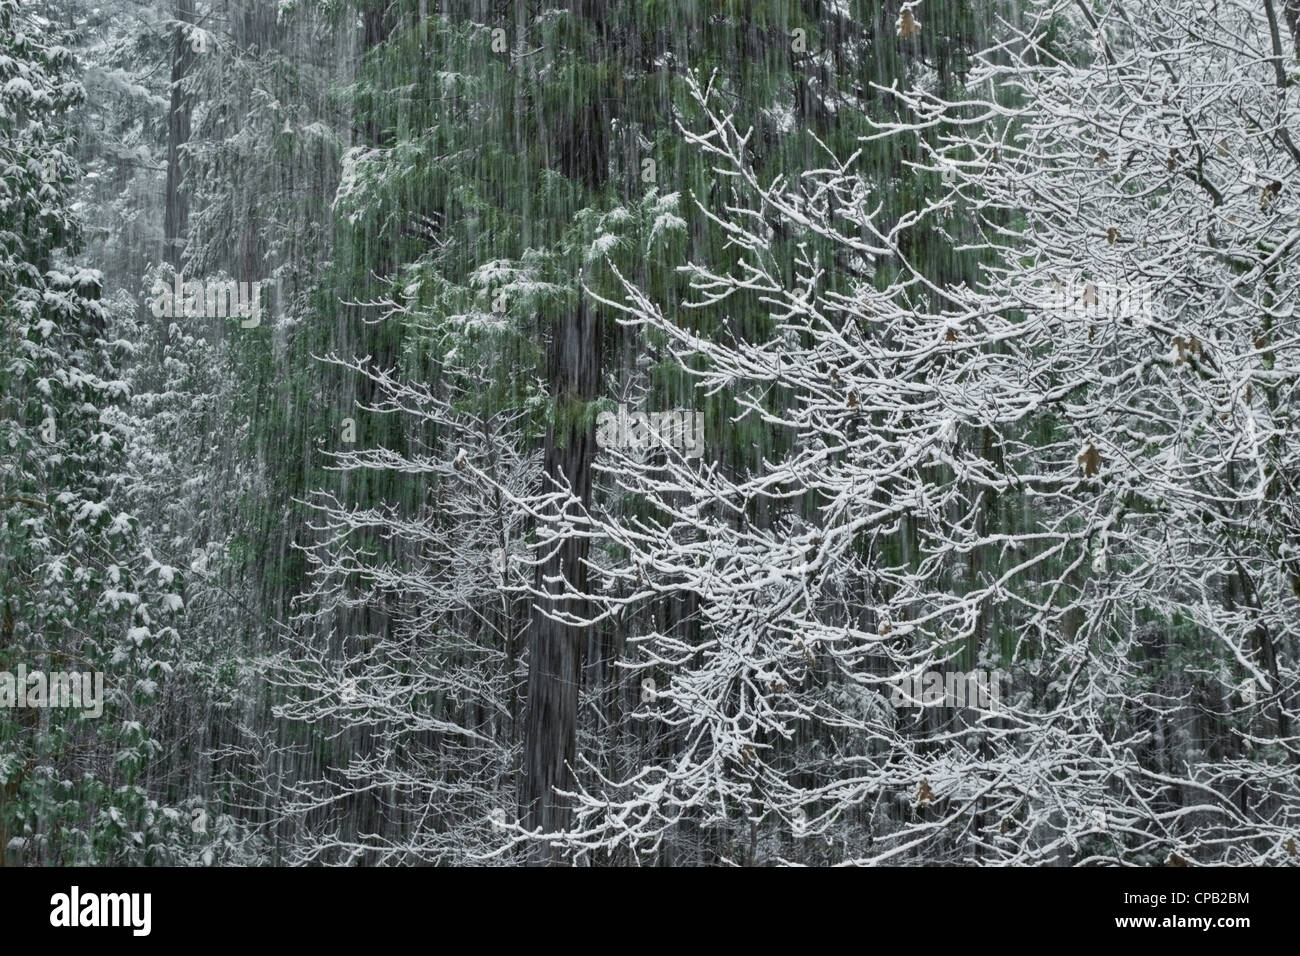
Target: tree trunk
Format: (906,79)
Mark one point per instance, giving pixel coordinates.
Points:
(555,648)
(178,134)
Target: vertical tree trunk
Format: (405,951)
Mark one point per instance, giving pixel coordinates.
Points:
(178,134)
(554,648)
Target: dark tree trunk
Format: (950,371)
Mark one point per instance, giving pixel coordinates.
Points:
(178,134)
(554,648)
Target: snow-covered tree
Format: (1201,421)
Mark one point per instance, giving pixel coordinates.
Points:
(407,654)
(1072,467)
(79,591)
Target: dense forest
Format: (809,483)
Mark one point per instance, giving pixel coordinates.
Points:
(649,432)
